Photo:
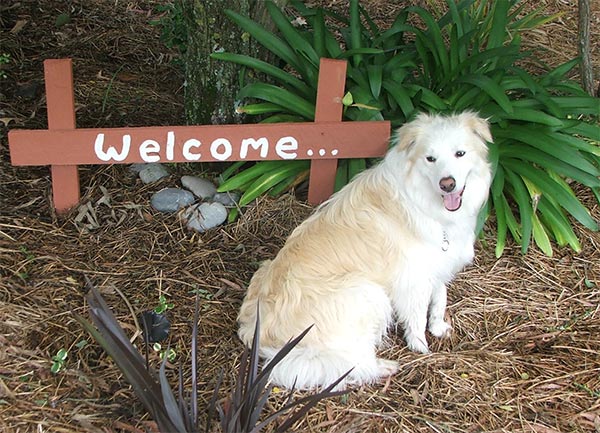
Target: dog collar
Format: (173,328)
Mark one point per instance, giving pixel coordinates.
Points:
(445,241)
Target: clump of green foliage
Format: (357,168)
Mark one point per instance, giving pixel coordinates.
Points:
(545,129)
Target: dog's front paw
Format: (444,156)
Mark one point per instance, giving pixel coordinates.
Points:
(440,329)
(417,344)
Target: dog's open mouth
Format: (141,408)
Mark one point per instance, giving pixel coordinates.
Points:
(453,200)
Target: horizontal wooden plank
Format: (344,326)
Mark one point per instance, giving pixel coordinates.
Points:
(324,140)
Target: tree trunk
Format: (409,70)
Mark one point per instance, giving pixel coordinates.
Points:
(587,75)
(211,86)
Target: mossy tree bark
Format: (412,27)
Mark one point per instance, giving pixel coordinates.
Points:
(585,52)
(211,85)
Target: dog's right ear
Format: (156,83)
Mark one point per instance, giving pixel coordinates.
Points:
(404,141)
(407,134)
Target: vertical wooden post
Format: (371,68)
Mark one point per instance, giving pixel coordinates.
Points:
(58,75)
(330,91)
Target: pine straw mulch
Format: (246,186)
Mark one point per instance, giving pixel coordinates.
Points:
(524,356)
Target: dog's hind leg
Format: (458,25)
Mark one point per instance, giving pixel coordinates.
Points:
(368,317)
(371,370)
(307,368)
(348,328)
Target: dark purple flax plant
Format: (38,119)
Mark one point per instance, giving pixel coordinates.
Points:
(177,412)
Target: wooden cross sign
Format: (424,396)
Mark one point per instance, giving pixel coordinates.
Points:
(63,146)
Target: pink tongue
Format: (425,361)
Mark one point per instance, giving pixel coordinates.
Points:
(452,201)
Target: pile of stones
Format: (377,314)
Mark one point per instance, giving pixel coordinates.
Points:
(198,202)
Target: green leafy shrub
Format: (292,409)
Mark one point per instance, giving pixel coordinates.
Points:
(468,58)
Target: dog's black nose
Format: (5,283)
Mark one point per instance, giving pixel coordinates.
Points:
(447,184)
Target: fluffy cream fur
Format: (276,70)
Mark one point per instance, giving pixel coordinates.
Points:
(380,250)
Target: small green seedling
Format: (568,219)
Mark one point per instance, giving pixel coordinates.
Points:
(163,305)
(170,353)
(203,294)
(4,60)
(58,360)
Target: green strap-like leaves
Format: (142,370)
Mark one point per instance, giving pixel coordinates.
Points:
(267,39)
(401,97)
(249,175)
(282,97)
(552,188)
(499,13)
(540,236)
(308,59)
(271,178)
(355,31)
(490,87)
(499,204)
(267,68)
(553,143)
(549,162)
(558,223)
(433,39)
(521,196)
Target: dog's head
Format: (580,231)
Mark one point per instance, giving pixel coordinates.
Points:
(449,153)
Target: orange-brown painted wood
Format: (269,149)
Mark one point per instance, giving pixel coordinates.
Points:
(58,76)
(324,141)
(330,91)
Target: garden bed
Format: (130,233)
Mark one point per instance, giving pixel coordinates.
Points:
(523,355)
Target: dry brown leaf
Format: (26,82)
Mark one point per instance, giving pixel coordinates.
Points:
(19,25)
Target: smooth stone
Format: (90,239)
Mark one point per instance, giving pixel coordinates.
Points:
(153,172)
(135,168)
(205,216)
(228,199)
(200,187)
(171,199)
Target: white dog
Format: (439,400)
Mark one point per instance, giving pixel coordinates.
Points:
(382,248)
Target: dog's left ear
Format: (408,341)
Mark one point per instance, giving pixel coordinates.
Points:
(478,125)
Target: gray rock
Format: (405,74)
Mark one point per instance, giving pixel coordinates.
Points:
(137,167)
(153,172)
(171,199)
(200,187)
(205,216)
(227,199)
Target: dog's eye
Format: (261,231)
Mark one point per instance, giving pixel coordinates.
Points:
(431,158)
(460,153)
